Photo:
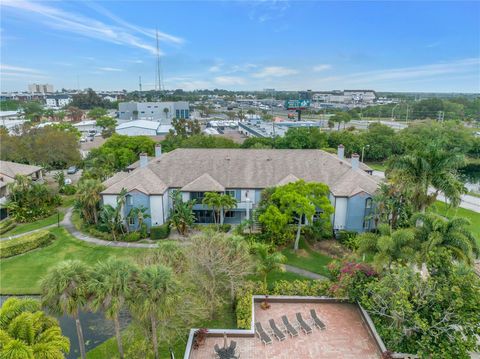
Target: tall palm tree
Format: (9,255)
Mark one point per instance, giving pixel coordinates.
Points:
(214,201)
(64,291)
(87,199)
(27,332)
(227,202)
(267,260)
(109,288)
(436,231)
(154,296)
(433,168)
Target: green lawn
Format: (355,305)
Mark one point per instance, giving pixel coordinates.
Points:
(377,166)
(474,217)
(307,259)
(27,227)
(21,274)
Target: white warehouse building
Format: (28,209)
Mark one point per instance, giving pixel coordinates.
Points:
(163,112)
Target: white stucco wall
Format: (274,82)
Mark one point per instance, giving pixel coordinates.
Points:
(167,205)
(156,210)
(247,192)
(341,204)
(136,131)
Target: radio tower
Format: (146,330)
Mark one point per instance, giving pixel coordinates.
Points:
(159,73)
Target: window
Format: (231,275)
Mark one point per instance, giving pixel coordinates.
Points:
(177,113)
(197,196)
(368,203)
(131,221)
(142,112)
(182,113)
(187,114)
(129,200)
(230,214)
(231,193)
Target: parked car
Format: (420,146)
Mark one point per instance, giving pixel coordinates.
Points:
(72,170)
(83,139)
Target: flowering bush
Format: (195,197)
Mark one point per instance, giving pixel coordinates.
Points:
(349,278)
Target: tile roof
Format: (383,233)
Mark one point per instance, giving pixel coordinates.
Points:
(246,168)
(204,183)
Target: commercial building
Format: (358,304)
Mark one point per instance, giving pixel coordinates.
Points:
(40,88)
(345,97)
(163,112)
(243,174)
(57,101)
(142,128)
(259,128)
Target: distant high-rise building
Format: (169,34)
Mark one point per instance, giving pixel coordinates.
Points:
(40,88)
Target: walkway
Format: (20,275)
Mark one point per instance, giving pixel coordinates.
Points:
(26,233)
(68,225)
(304,273)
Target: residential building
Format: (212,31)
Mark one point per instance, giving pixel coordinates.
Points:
(40,88)
(57,101)
(163,112)
(142,128)
(347,332)
(8,171)
(243,174)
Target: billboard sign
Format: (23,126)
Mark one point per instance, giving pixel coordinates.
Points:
(296,104)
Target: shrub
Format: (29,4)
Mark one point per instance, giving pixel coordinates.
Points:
(225,228)
(243,308)
(68,190)
(348,239)
(132,237)
(7,225)
(300,287)
(23,244)
(160,232)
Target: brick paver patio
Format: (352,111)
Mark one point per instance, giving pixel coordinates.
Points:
(346,335)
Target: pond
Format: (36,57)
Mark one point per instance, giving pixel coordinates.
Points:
(471,175)
(96,329)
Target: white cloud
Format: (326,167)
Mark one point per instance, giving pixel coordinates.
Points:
(229,80)
(109,69)
(121,34)
(4,67)
(214,68)
(275,71)
(322,67)
(8,71)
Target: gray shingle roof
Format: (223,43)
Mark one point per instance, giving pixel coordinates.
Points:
(11,169)
(245,168)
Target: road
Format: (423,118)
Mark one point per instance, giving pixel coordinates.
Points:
(468,202)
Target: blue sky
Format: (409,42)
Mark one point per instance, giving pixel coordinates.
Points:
(286,45)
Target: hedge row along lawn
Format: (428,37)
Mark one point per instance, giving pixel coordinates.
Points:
(27,227)
(22,274)
(29,242)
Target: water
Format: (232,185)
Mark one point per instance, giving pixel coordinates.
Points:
(471,176)
(96,329)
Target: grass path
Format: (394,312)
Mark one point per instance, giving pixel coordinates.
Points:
(21,274)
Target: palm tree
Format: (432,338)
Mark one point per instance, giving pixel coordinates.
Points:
(267,260)
(429,168)
(388,246)
(214,201)
(27,332)
(64,291)
(87,199)
(436,231)
(109,288)
(154,297)
(166,110)
(227,202)
(181,213)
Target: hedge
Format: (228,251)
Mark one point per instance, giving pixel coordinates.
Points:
(243,309)
(7,225)
(160,232)
(23,244)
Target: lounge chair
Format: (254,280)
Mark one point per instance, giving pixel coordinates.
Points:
(305,327)
(290,329)
(316,321)
(277,332)
(261,334)
(233,345)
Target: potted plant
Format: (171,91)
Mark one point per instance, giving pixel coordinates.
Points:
(265,305)
(199,337)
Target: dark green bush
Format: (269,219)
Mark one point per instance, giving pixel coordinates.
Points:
(225,227)
(160,232)
(347,238)
(68,189)
(19,245)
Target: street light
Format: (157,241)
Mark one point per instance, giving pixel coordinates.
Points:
(363,151)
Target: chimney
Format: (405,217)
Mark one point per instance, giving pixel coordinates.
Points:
(341,151)
(158,150)
(143,160)
(355,161)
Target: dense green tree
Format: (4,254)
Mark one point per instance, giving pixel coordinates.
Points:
(97,113)
(107,124)
(219,203)
(74,113)
(303,138)
(26,332)
(89,100)
(298,201)
(353,142)
(341,117)
(381,141)
(172,142)
(64,291)
(33,110)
